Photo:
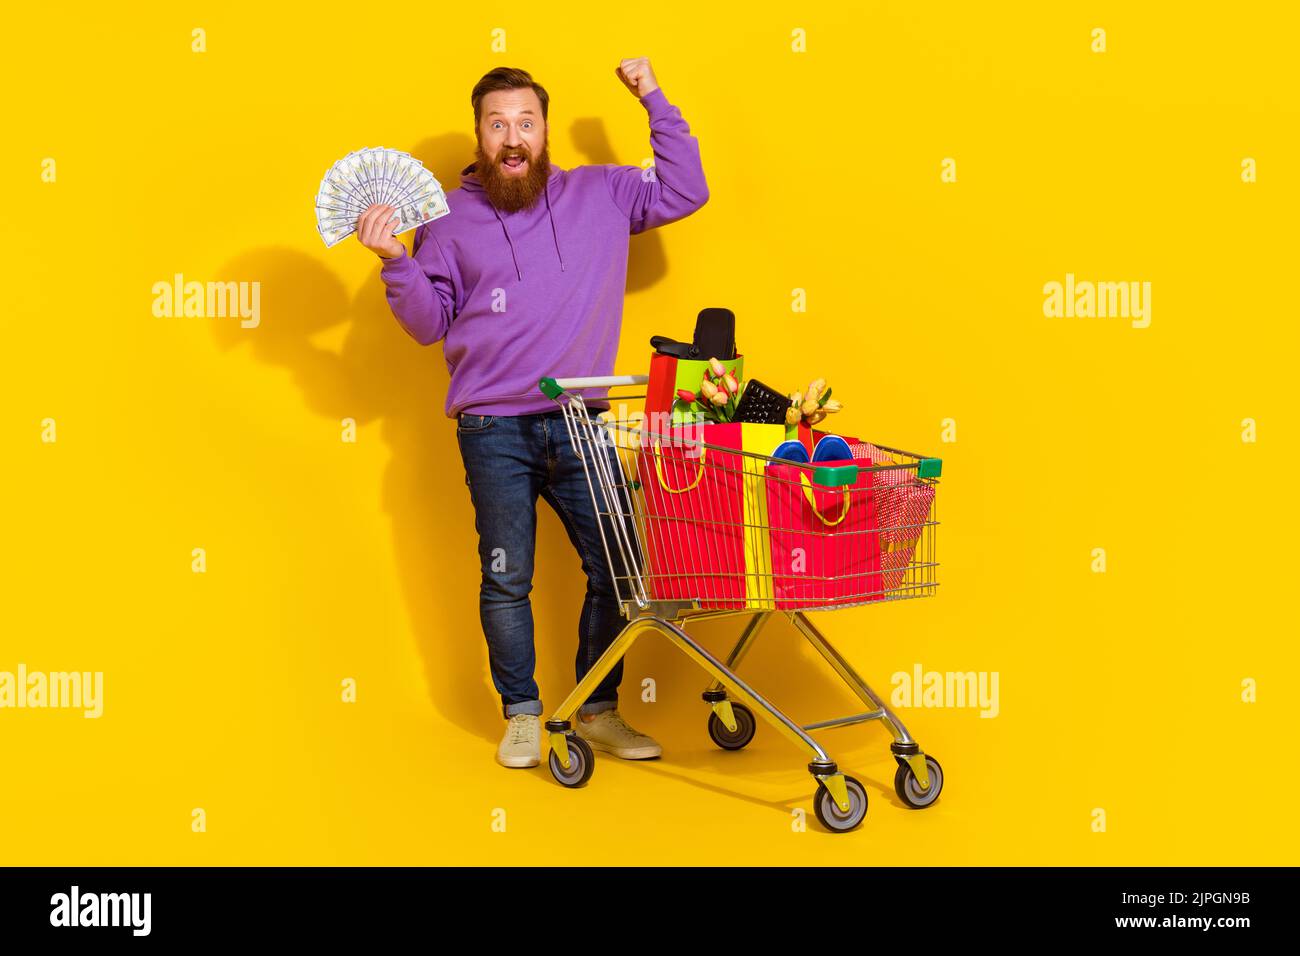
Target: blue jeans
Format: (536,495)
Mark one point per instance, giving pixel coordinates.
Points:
(510,460)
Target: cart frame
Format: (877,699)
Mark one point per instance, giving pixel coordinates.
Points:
(840,801)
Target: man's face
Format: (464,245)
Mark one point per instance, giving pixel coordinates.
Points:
(512,157)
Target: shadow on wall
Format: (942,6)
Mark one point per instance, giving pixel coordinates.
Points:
(380,376)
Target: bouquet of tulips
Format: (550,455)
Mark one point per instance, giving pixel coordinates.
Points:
(716,398)
(811,406)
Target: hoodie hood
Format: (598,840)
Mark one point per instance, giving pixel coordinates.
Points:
(470,182)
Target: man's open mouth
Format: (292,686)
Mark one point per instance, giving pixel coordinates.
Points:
(514,162)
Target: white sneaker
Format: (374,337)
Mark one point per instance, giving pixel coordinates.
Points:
(609,732)
(521,746)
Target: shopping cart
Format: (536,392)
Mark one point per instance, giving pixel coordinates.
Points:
(695,531)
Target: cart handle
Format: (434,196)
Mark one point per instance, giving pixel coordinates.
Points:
(552,388)
(836,476)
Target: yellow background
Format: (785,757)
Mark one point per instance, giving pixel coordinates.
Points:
(328,560)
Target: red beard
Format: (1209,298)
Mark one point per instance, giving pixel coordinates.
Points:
(513,193)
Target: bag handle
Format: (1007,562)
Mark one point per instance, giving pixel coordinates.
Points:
(812,501)
(656,450)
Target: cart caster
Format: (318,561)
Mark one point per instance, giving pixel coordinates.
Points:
(909,789)
(733,739)
(829,813)
(581,762)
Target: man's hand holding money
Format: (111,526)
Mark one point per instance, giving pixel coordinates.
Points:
(375,230)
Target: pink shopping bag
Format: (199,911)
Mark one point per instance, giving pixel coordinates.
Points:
(903,503)
(825,541)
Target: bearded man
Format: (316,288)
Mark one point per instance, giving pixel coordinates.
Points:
(525,279)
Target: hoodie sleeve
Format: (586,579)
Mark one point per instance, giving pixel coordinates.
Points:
(420,290)
(677,187)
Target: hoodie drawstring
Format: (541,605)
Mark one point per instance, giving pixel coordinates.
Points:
(555,236)
(518,271)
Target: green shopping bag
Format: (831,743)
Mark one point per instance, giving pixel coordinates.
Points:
(668,374)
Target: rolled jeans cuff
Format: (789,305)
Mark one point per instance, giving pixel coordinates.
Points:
(533,707)
(596,706)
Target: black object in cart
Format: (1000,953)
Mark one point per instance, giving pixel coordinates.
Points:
(715,337)
(761,404)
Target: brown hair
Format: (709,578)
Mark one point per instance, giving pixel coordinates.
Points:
(505,78)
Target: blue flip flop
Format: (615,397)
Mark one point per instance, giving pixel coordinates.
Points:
(791,451)
(831,448)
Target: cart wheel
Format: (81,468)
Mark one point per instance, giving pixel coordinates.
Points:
(829,813)
(581,763)
(737,739)
(909,789)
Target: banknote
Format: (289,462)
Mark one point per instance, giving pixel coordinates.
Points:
(376,175)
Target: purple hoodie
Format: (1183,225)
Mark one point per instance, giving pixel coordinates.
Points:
(518,296)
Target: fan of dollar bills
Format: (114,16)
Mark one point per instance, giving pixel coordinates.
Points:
(370,176)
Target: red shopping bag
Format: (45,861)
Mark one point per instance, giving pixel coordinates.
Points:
(825,541)
(705,514)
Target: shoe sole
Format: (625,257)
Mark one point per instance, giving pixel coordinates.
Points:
(518,762)
(627,753)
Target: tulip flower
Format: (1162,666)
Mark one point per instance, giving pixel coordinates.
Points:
(718,393)
(811,406)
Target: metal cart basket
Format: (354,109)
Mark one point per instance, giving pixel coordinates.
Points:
(694,530)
